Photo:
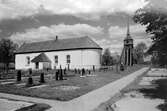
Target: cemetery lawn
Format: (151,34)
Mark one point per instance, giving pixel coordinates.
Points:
(73,86)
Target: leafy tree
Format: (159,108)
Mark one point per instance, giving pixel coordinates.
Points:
(115,58)
(156,25)
(7,48)
(139,52)
(107,58)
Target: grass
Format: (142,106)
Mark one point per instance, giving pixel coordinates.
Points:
(35,107)
(85,85)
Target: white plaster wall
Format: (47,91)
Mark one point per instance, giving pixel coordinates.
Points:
(21,63)
(91,57)
(79,59)
(62,60)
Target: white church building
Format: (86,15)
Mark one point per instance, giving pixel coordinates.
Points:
(65,53)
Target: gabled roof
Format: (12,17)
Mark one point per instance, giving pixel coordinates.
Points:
(41,58)
(58,45)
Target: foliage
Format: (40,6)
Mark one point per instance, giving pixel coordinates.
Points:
(156,25)
(107,58)
(7,48)
(139,52)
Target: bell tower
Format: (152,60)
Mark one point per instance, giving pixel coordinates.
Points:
(127,53)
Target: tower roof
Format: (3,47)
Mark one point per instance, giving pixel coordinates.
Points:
(128,36)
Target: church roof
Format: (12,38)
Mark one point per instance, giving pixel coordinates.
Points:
(41,58)
(58,45)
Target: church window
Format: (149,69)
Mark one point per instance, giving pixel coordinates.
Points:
(68,59)
(28,60)
(56,59)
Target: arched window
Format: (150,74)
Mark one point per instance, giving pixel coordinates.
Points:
(68,59)
(28,60)
(56,59)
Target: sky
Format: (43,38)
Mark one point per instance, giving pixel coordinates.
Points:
(105,21)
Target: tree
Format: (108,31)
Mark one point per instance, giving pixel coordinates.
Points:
(7,48)
(107,58)
(139,52)
(156,25)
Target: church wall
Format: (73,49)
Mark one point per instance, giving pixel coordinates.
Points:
(85,58)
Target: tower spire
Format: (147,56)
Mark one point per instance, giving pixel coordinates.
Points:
(128,29)
(128,36)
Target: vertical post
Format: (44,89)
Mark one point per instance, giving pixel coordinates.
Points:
(68,67)
(94,68)
(65,71)
(127,56)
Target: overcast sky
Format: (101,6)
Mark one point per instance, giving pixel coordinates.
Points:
(103,20)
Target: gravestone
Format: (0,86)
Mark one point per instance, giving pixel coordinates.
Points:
(83,71)
(42,78)
(57,75)
(30,80)
(18,75)
(61,74)
(89,71)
